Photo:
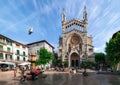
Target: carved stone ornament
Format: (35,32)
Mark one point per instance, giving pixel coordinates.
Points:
(75,40)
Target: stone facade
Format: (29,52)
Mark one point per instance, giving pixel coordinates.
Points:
(34,48)
(75,45)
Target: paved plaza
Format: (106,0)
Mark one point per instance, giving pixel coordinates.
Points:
(6,78)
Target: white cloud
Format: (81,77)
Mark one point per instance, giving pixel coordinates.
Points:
(47,9)
(35,4)
(80,11)
(43,33)
(109,0)
(15,8)
(94,12)
(99,48)
(6,25)
(113,18)
(31,16)
(102,16)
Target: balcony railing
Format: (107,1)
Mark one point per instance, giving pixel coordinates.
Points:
(7,52)
(20,54)
(3,43)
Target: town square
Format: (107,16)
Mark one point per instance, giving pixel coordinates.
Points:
(63,42)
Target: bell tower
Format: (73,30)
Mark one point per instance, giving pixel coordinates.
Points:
(63,16)
(63,20)
(85,15)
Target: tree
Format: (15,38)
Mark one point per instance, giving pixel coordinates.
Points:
(44,57)
(57,62)
(60,63)
(113,51)
(65,63)
(100,58)
(87,64)
(84,64)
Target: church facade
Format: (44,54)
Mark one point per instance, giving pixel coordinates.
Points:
(74,44)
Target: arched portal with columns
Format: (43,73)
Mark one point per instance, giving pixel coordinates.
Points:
(74,60)
(74,49)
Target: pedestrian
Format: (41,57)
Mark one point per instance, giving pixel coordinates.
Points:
(22,75)
(32,74)
(25,75)
(14,73)
(85,73)
(74,71)
(36,72)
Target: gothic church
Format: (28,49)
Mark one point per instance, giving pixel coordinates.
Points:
(74,44)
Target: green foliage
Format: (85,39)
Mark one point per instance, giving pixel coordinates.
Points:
(60,63)
(87,64)
(44,57)
(113,51)
(65,63)
(57,62)
(100,58)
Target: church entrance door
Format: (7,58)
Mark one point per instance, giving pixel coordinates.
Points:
(74,60)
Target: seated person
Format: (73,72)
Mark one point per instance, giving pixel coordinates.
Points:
(32,74)
(36,72)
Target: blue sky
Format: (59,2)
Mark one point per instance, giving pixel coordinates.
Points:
(17,16)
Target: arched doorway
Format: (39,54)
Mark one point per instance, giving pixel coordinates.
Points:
(74,60)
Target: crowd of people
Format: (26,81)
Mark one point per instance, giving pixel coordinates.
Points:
(32,74)
(26,74)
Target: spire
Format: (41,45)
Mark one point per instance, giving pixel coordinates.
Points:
(85,14)
(63,16)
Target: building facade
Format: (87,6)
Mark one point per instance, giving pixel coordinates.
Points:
(74,44)
(15,53)
(34,48)
(12,51)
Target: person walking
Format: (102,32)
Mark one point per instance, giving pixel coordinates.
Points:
(25,75)
(32,74)
(14,73)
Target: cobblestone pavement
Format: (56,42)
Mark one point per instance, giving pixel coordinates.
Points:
(6,78)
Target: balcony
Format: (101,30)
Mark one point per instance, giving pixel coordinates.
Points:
(3,43)
(20,55)
(18,61)
(7,52)
(9,60)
